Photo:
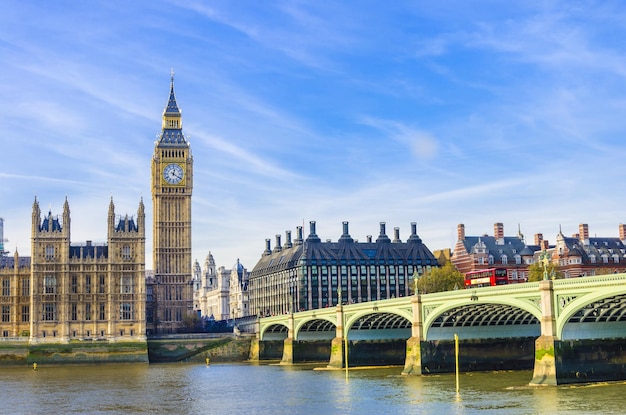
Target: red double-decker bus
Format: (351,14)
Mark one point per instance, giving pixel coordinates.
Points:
(486,278)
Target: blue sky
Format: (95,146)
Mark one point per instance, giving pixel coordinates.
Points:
(437,113)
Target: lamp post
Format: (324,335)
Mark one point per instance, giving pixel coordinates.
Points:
(344,331)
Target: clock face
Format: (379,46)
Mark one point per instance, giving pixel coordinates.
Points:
(173,173)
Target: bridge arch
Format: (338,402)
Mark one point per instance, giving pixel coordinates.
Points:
(276,331)
(315,329)
(488,318)
(598,314)
(378,325)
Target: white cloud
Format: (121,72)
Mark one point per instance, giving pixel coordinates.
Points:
(434,113)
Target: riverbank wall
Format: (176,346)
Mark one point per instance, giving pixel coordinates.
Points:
(174,348)
(21,353)
(199,347)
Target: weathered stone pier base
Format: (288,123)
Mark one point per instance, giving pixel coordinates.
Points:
(336,353)
(545,361)
(287,352)
(413,363)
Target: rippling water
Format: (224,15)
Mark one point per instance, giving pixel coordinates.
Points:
(270,389)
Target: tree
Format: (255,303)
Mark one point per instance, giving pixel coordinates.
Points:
(439,279)
(535,271)
(192,323)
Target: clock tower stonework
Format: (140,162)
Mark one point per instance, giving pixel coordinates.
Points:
(171,290)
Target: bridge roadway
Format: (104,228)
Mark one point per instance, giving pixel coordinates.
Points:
(558,314)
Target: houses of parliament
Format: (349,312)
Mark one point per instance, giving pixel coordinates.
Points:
(68,292)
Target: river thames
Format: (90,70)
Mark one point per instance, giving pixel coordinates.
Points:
(271,389)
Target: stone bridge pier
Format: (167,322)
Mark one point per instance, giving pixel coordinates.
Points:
(545,346)
(337,352)
(413,364)
(288,342)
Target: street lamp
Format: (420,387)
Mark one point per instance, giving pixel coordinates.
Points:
(344,331)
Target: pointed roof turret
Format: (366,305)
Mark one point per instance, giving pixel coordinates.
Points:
(172,106)
(172,125)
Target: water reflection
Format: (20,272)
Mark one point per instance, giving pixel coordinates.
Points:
(266,389)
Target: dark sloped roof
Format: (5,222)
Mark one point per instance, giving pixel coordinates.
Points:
(89,251)
(596,247)
(346,252)
(50,224)
(9,262)
(512,246)
(174,137)
(172,106)
(127,224)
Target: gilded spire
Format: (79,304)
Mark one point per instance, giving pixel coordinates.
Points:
(172,125)
(172,106)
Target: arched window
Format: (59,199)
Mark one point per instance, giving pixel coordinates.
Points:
(126,284)
(50,284)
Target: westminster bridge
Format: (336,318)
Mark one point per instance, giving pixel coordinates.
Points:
(568,331)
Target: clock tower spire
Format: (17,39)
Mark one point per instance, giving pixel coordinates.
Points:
(172,184)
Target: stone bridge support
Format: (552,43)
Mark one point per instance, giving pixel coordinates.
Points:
(413,362)
(337,344)
(288,343)
(546,345)
(255,344)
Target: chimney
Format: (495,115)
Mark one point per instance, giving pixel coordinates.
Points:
(538,238)
(383,236)
(312,235)
(498,233)
(288,243)
(268,250)
(544,245)
(345,237)
(299,235)
(369,239)
(583,230)
(396,235)
(278,248)
(414,237)
(622,232)
(460,232)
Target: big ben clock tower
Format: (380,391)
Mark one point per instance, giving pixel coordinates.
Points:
(172,183)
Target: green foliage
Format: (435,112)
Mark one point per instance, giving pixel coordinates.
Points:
(535,271)
(444,278)
(192,323)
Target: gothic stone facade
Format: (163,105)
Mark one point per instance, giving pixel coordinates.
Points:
(77,291)
(172,184)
